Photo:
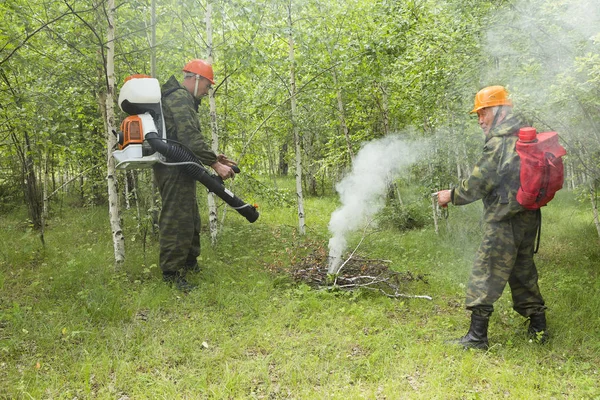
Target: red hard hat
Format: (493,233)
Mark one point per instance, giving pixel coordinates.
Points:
(200,67)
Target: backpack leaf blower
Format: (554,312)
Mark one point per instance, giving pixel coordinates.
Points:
(142,142)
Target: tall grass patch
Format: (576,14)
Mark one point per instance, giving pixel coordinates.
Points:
(71,325)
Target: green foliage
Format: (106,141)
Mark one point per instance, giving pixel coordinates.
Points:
(395,67)
(401,217)
(72,326)
(399,66)
(9,190)
(550,63)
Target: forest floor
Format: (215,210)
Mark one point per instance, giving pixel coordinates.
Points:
(354,274)
(268,322)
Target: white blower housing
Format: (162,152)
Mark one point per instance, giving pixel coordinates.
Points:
(139,97)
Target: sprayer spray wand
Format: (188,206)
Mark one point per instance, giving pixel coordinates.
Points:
(437,212)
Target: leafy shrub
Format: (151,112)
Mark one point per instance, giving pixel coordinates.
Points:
(9,195)
(404,217)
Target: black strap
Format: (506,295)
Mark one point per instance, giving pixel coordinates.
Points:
(539,230)
(168,92)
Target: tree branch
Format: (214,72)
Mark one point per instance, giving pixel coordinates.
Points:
(70,180)
(32,34)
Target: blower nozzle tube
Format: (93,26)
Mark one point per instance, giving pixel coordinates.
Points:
(194,169)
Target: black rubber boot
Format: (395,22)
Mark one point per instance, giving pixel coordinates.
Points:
(178,281)
(476,338)
(191,264)
(537,328)
(193,268)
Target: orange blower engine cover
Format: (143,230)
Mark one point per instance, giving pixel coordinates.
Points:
(132,131)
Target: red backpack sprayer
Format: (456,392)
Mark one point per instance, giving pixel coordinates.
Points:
(142,141)
(542,169)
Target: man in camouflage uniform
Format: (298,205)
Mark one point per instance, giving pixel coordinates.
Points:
(506,252)
(179,221)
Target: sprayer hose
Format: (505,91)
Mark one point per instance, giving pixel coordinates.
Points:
(177,155)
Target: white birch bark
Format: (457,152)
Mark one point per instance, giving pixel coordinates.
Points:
(342,114)
(594,202)
(212,205)
(399,195)
(435,214)
(386,108)
(466,159)
(153,38)
(45,205)
(572,176)
(458,167)
(297,138)
(154,209)
(45,200)
(386,130)
(127,194)
(113,197)
(136,199)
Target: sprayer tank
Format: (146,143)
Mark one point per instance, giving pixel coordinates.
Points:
(140,95)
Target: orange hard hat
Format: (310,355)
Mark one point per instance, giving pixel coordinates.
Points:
(200,67)
(491,96)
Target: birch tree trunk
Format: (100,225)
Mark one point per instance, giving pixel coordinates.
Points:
(45,200)
(466,159)
(393,189)
(132,183)
(153,38)
(594,202)
(342,114)
(459,172)
(45,207)
(212,205)
(29,183)
(154,208)
(283,166)
(572,176)
(301,221)
(385,109)
(126,189)
(113,197)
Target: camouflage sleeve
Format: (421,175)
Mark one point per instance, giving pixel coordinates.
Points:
(483,178)
(187,126)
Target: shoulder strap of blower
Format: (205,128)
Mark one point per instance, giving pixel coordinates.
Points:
(168,92)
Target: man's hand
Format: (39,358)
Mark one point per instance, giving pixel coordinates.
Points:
(223,170)
(222,158)
(444,197)
(223,167)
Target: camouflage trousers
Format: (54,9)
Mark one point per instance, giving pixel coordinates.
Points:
(506,256)
(179,222)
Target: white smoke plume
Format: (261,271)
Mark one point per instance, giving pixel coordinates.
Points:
(362,192)
(537,53)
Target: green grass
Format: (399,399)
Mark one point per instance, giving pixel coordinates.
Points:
(73,327)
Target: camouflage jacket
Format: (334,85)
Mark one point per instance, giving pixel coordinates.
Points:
(495,177)
(181,120)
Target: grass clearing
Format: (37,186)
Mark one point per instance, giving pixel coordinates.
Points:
(72,327)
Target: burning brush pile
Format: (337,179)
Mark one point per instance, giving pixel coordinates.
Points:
(355,273)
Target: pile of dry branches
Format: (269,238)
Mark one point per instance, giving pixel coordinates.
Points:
(356,273)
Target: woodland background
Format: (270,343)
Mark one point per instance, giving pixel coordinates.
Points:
(301,87)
